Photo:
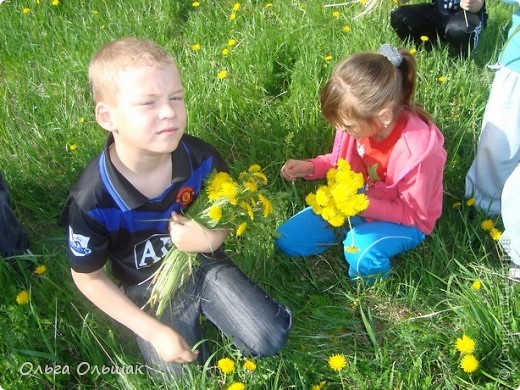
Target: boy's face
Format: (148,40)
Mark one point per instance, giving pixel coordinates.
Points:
(148,114)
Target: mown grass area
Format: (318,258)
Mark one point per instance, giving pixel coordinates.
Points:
(398,333)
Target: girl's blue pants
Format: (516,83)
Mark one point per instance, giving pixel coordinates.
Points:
(376,243)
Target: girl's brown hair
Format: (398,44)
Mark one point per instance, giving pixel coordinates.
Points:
(365,83)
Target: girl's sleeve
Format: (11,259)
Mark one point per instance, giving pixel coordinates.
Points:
(419,202)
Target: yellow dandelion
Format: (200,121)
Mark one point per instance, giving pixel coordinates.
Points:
(337,362)
(487,225)
(22,298)
(248,209)
(226,365)
(476,285)
(495,234)
(268,207)
(346,28)
(442,79)
(413,51)
(40,270)
(241,229)
(251,186)
(363,1)
(465,345)
(236,6)
(424,38)
(335,14)
(222,74)
(26,10)
(73,147)
(254,168)
(195,4)
(250,365)
(470,202)
(225,51)
(232,16)
(268,5)
(261,177)
(469,364)
(351,249)
(196,47)
(237,386)
(55,2)
(231,42)
(215,213)
(319,386)
(327,58)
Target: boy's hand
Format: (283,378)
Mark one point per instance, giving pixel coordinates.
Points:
(190,236)
(293,169)
(171,346)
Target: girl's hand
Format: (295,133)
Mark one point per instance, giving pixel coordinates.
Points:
(293,169)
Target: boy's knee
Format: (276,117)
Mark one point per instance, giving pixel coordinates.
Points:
(272,339)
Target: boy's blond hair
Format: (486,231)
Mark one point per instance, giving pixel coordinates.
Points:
(115,57)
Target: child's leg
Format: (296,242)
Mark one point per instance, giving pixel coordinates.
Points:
(377,243)
(305,234)
(257,324)
(510,239)
(498,150)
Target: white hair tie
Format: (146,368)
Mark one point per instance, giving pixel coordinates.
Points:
(392,54)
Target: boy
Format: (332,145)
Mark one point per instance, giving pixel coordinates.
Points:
(119,210)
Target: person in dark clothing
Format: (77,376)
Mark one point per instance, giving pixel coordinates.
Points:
(13,237)
(459,23)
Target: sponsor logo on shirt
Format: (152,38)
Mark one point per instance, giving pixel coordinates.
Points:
(152,250)
(78,244)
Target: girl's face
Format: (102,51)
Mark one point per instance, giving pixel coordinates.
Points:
(149,115)
(359,129)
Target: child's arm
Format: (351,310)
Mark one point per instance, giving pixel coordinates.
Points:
(190,236)
(293,169)
(103,293)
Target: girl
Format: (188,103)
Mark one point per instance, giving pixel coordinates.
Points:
(383,134)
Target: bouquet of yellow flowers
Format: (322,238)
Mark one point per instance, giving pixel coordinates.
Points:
(223,203)
(340,199)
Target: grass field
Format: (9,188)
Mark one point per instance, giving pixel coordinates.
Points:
(399,333)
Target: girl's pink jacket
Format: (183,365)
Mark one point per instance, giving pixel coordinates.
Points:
(412,191)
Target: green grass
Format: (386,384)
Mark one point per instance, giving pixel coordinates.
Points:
(396,334)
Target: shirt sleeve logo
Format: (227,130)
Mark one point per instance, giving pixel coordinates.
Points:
(78,244)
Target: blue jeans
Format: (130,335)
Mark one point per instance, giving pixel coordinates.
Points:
(376,243)
(220,292)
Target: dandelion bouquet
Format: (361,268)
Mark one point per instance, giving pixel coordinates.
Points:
(224,203)
(339,200)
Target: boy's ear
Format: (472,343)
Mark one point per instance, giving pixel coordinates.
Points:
(386,116)
(104,116)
